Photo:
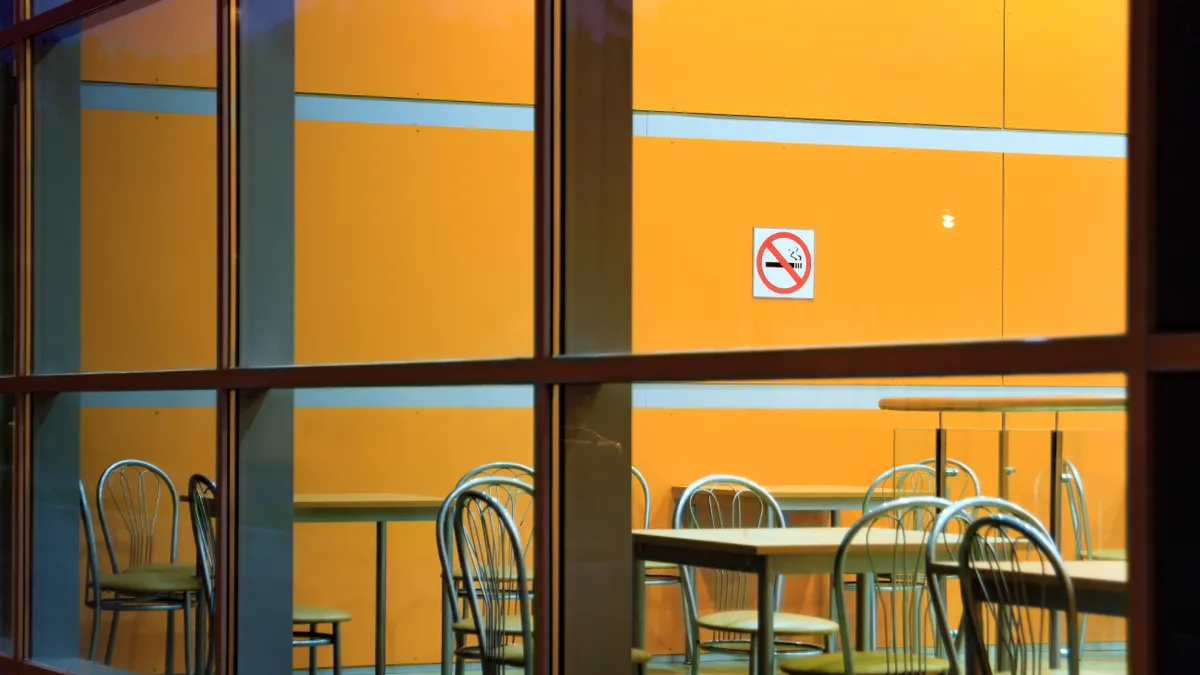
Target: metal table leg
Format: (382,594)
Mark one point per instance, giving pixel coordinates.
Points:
(832,640)
(865,604)
(380,597)
(447,636)
(639,607)
(766,619)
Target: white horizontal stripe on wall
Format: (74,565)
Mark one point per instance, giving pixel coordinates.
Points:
(495,116)
(689,396)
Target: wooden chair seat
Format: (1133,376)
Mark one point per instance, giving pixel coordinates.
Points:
(786,623)
(514,655)
(512,625)
(170,568)
(1064,671)
(1110,554)
(150,583)
(865,663)
(312,614)
(660,566)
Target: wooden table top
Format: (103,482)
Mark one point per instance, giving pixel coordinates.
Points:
(365,501)
(1003,403)
(1111,576)
(807,541)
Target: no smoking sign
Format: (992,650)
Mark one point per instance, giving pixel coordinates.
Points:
(783,263)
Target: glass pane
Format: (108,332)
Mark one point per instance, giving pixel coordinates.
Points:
(321,470)
(110,471)
(833,174)
(816,448)
(8,188)
(407,233)
(124,191)
(7,443)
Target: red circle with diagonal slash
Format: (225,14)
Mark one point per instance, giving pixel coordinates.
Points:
(769,245)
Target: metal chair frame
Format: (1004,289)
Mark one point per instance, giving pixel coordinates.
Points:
(962,512)
(1019,647)
(730,589)
(491,590)
(953,467)
(454,593)
(906,650)
(116,603)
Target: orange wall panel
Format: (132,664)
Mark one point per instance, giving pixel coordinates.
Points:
(927,62)
(148,238)
(1064,246)
(457,50)
(164,42)
(885,268)
(412,243)
(399,450)
(1066,64)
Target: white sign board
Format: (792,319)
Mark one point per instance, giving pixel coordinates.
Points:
(783,263)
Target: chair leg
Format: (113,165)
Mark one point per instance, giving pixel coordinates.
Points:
(312,652)
(170,669)
(95,631)
(337,649)
(112,637)
(189,651)
(460,663)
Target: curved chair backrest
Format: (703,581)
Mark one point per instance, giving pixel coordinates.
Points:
(514,470)
(514,495)
(501,470)
(641,481)
(890,539)
(89,534)
(202,495)
(725,502)
(906,480)
(995,550)
(1077,505)
(492,558)
(136,491)
(952,523)
(961,480)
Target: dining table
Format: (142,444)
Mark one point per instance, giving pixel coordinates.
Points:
(769,552)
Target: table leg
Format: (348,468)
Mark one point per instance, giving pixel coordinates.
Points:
(865,604)
(1056,490)
(380,597)
(766,618)
(200,642)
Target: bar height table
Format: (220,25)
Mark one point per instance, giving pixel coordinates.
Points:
(1004,405)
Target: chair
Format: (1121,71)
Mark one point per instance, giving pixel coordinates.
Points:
(1077,505)
(890,532)
(961,480)
(143,590)
(953,522)
(454,620)
(722,501)
(989,562)
(202,494)
(491,553)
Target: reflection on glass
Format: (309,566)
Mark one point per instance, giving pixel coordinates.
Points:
(7,442)
(345,484)
(114,565)
(124,190)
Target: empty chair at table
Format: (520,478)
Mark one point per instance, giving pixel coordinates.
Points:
(131,497)
(732,502)
(895,535)
(1005,612)
(202,495)
(492,552)
(456,622)
(942,547)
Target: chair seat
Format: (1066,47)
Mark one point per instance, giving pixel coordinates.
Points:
(865,663)
(514,655)
(652,566)
(512,625)
(311,614)
(786,623)
(149,583)
(1064,671)
(1110,554)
